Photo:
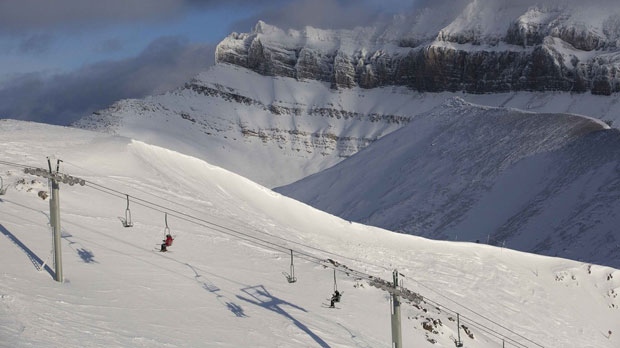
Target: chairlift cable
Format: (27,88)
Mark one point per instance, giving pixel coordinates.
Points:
(489,331)
(275,247)
(279,248)
(12,164)
(163,209)
(474,312)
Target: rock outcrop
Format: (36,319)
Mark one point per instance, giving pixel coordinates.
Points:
(541,50)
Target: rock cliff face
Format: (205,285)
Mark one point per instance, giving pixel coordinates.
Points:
(539,50)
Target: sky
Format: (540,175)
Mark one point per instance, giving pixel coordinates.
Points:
(61,60)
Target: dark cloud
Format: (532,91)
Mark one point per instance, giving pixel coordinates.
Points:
(110,45)
(20,15)
(332,14)
(63,98)
(28,15)
(35,43)
(346,14)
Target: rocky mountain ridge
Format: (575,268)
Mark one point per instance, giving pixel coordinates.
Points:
(543,49)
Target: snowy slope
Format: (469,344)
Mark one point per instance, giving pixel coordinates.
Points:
(276,130)
(543,183)
(217,288)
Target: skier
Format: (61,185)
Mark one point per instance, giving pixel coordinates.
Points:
(335,298)
(168,240)
(166,243)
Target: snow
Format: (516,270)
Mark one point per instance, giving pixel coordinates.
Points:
(541,183)
(216,135)
(220,287)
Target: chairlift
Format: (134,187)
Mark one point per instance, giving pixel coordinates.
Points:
(127,221)
(337,294)
(2,188)
(167,236)
(335,284)
(290,277)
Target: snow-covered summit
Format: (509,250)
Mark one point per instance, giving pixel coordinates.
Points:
(487,47)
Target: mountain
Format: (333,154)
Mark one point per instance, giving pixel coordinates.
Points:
(281,130)
(488,47)
(221,284)
(542,183)
(274,109)
(302,106)
(273,131)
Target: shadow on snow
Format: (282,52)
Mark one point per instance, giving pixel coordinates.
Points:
(34,258)
(261,297)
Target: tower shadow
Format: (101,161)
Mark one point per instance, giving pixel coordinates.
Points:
(34,258)
(261,297)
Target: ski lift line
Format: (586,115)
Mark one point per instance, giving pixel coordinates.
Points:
(283,249)
(164,209)
(482,327)
(161,198)
(182,215)
(203,223)
(11,164)
(497,334)
(494,334)
(323,262)
(246,237)
(276,247)
(257,240)
(487,330)
(476,313)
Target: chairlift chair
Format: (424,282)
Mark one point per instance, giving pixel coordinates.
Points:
(290,277)
(2,188)
(127,221)
(167,232)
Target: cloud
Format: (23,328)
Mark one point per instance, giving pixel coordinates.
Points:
(19,15)
(110,45)
(165,64)
(332,14)
(35,43)
(346,14)
(35,15)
